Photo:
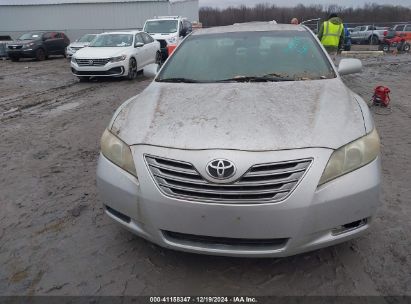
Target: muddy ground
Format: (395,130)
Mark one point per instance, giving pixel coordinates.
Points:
(55,239)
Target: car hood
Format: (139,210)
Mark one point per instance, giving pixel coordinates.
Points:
(100,52)
(242,116)
(79,44)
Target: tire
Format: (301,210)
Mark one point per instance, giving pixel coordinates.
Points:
(373,40)
(14,59)
(83,78)
(132,69)
(159,59)
(40,55)
(406,47)
(385,48)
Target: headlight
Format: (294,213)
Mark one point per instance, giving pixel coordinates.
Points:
(28,45)
(119,58)
(352,157)
(172,40)
(73,59)
(118,152)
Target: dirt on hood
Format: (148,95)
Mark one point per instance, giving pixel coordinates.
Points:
(242,116)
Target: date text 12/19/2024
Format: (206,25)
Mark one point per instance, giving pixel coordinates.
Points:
(203,300)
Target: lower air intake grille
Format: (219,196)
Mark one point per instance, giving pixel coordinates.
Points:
(261,183)
(191,239)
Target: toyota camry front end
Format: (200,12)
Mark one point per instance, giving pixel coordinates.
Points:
(256,150)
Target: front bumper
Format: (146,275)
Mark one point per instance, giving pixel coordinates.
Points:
(21,53)
(304,221)
(112,69)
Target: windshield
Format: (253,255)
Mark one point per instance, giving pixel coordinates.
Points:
(161,26)
(248,56)
(31,36)
(87,38)
(112,40)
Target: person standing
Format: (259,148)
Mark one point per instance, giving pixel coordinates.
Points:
(295,21)
(331,34)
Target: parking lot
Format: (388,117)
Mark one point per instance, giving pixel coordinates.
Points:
(56,240)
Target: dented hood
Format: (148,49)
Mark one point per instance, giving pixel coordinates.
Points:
(243,116)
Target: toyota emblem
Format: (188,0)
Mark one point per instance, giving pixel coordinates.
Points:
(90,62)
(220,169)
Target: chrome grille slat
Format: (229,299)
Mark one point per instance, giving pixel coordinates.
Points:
(179,170)
(271,182)
(225,191)
(235,185)
(274,172)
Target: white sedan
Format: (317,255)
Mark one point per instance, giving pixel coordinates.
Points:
(116,54)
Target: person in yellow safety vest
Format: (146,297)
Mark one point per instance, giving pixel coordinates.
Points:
(332,33)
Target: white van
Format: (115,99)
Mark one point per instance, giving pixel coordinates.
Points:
(168,30)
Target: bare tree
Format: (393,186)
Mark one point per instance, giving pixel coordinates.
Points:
(369,13)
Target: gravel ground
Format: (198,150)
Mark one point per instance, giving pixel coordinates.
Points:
(55,239)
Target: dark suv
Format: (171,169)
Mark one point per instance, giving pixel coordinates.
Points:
(38,45)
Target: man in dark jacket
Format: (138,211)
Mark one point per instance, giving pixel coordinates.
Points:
(331,33)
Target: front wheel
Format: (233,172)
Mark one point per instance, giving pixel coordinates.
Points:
(40,55)
(406,47)
(132,69)
(385,48)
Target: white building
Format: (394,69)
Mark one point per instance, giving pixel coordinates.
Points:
(78,17)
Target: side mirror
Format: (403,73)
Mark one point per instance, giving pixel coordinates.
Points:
(349,66)
(151,70)
(138,44)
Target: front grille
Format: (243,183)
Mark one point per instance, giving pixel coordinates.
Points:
(15,47)
(202,240)
(92,62)
(163,43)
(264,182)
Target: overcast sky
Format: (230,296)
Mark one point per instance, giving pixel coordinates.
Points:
(225,3)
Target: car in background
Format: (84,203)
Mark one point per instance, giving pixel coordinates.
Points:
(367,34)
(4,40)
(79,44)
(38,45)
(168,30)
(399,38)
(236,147)
(403,29)
(116,54)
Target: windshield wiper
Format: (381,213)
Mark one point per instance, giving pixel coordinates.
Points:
(178,80)
(265,78)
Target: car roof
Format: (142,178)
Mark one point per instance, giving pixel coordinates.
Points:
(250,27)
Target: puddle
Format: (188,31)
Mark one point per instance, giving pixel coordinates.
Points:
(61,109)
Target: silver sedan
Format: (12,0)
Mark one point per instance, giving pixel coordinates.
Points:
(247,143)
